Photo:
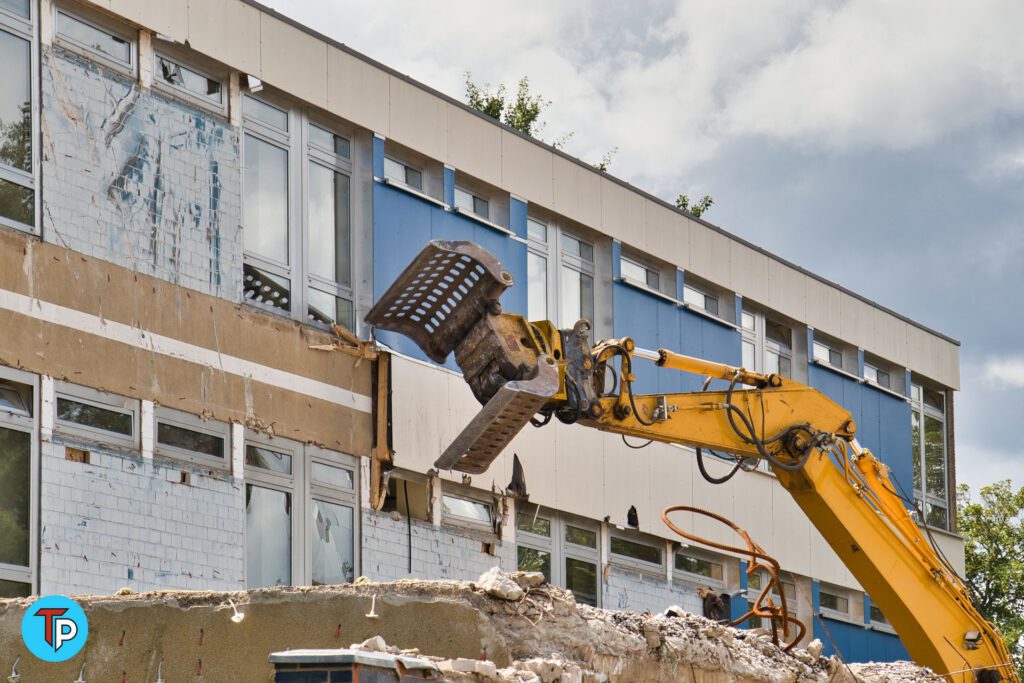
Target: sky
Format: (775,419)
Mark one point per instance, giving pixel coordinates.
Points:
(878,144)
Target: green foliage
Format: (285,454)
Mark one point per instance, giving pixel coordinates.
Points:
(696,209)
(993,531)
(606,160)
(521,112)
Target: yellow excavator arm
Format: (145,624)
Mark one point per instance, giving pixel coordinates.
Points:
(522,371)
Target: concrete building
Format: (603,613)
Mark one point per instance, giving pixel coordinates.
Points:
(191,193)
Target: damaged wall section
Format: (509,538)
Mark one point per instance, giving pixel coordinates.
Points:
(139,179)
(122,520)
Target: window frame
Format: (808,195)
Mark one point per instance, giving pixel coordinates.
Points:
(577,264)
(688,577)
(99,399)
(830,348)
(23,28)
(632,562)
(26,574)
(757,337)
(558,548)
(104,25)
(183,420)
(646,269)
(462,493)
(162,50)
(836,592)
(406,167)
(474,198)
(301,153)
(923,410)
(694,291)
(291,484)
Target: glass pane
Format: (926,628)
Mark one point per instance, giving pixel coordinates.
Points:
(820,352)
(536,286)
(14,589)
(578,536)
(935,457)
(332,476)
(779,333)
(187,79)
(94,416)
(936,516)
(190,440)
(328,309)
(536,230)
(532,560)
(268,537)
(332,535)
(19,7)
(586,251)
(576,247)
(264,288)
(330,250)
(570,294)
(581,579)
(94,38)
(702,567)
(16,399)
(636,551)
(915,431)
(748,320)
(693,297)
(17,203)
(870,373)
(261,456)
(785,366)
(539,525)
(467,509)
(15,107)
(413,178)
(463,199)
(266,199)
(15,496)
(877,616)
(771,362)
(481,207)
(394,170)
(710,304)
(653,279)
(633,271)
(261,111)
(748,356)
(835,358)
(587,298)
(834,602)
(883,379)
(935,399)
(329,141)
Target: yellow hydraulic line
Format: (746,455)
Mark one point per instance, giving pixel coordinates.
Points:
(677,361)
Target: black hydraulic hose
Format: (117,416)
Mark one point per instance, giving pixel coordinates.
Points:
(707,476)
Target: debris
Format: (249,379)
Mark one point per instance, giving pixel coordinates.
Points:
(528,580)
(494,582)
(371,644)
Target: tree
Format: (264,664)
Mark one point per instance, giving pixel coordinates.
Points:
(697,208)
(521,112)
(606,160)
(993,531)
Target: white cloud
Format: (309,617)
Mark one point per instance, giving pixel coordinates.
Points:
(1005,371)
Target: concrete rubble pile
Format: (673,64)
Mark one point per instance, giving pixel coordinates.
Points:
(503,627)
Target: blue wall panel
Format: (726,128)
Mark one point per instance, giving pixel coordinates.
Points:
(404,223)
(636,315)
(857,643)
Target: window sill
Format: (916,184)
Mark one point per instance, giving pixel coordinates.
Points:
(483,221)
(630,282)
(885,390)
(825,613)
(881,628)
(838,371)
(411,190)
(635,567)
(714,318)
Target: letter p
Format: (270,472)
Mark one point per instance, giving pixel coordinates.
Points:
(64,630)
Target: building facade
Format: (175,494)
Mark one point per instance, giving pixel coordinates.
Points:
(192,195)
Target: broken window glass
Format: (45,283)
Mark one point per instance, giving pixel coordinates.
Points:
(337,477)
(533,560)
(331,535)
(261,456)
(94,38)
(263,288)
(635,551)
(268,537)
(327,309)
(534,525)
(89,415)
(180,76)
(330,241)
(15,496)
(471,510)
(16,399)
(15,105)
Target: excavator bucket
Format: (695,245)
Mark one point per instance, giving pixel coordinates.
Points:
(447,300)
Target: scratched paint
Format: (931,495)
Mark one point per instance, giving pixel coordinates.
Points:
(139,178)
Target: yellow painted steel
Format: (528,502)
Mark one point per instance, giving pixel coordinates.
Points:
(847,494)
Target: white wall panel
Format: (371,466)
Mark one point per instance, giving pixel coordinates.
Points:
(419,120)
(474,143)
(823,306)
(889,337)
(358,91)
(623,214)
(787,292)
(709,253)
(526,169)
(227,30)
(857,324)
(293,60)
(667,236)
(748,270)
(577,191)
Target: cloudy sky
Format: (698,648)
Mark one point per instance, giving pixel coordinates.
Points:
(879,144)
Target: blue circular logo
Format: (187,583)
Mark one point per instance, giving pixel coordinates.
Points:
(54,628)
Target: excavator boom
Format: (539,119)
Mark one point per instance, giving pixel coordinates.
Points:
(447,301)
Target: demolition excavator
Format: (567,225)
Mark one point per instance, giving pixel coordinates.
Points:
(447,300)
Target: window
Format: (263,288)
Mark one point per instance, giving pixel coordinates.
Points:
(467,202)
(928,432)
(877,618)
(17,116)
(767,344)
(114,48)
(823,353)
(97,416)
(17,486)
(291,538)
(834,600)
(537,270)
(877,376)
(756,583)
(298,252)
(699,566)
(637,553)
(632,270)
(188,81)
(396,171)
(560,275)
(699,299)
(187,437)
(467,511)
(576,275)
(565,550)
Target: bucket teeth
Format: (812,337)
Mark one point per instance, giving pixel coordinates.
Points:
(441,296)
